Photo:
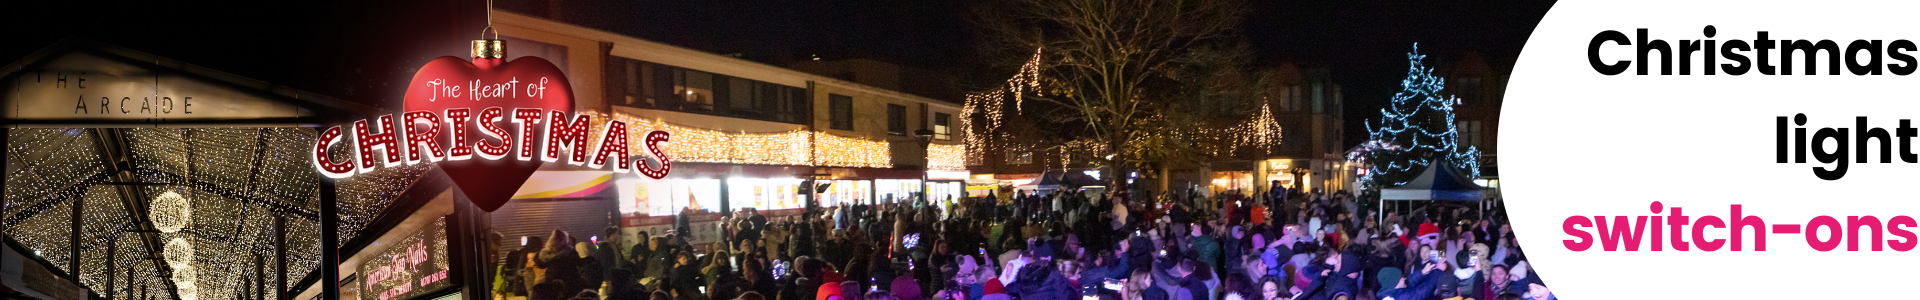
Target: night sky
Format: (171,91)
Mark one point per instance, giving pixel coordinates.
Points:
(356,49)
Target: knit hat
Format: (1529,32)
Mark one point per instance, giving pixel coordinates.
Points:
(906,288)
(1389,277)
(829,289)
(1428,228)
(994,287)
(1042,250)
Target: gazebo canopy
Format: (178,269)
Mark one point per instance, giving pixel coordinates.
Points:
(1441,181)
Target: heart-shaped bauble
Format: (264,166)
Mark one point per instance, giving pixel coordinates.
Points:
(453,83)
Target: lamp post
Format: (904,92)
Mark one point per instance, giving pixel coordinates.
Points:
(926,139)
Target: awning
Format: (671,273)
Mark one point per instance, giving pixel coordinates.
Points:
(1440,182)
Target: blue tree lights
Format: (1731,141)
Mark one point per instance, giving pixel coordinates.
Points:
(1416,130)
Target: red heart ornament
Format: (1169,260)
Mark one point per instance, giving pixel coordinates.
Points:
(450,83)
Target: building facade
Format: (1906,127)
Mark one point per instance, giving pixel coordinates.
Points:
(744,135)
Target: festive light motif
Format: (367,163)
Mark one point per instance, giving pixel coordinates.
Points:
(179,253)
(946,157)
(1263,130)
(1416,129)
(236,180)
(692,144)
(839,151)
(185,282)
(992,104)
(170,212)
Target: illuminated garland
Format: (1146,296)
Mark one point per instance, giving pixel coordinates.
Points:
(946,157)
(992,104)
(171,212)
(1262,131)
(56,166)
(1415,128)
(778,148)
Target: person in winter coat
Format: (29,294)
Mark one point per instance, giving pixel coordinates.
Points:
(719,270)
(1417,284)
(561,262)
(687,279)
(589,267)
(774,239)
(800,239)
(511,272)
(1203,244)
(1042,281)
(659,259)
(1335,273)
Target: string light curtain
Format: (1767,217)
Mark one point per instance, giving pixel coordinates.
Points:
(234,181)
(692,144)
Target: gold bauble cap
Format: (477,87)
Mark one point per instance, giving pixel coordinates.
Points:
(489,49)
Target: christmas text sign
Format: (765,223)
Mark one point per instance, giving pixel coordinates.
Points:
(489,123)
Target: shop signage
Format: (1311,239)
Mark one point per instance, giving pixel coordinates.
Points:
(86,88)
(414,266)
(489,124)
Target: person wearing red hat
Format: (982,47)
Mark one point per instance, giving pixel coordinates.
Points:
(828,291)
(1428,235)
(994,290)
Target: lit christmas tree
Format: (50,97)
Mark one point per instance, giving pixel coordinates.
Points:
(1416,130)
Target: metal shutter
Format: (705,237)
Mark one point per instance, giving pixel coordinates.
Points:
(579,217)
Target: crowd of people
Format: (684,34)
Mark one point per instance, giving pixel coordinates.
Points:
(1174,246)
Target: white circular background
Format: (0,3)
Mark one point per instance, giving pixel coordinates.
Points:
(1578,143)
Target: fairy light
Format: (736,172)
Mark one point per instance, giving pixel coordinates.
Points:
(839,151)
(992,105)
(233,181)
(1406,138)
(691,144)
(1262,131)
(185,282)
(946,157)
(171,212)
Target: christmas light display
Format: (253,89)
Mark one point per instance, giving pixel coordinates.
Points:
(236,181)
(179,253)
(1416,129)
(171,212)
(946,157)
(185,282)
(1263,130)
(772,148)
(992,104)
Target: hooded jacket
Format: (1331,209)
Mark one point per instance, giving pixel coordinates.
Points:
(1041,281)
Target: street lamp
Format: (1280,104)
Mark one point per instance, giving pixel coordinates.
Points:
(926,139)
